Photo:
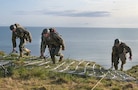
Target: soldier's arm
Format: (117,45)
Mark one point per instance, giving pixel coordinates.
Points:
(128,49)
(113,55)
(62,43)
(42,46)
(13,40)
(28,35)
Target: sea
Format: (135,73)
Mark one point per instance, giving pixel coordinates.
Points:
(81,43)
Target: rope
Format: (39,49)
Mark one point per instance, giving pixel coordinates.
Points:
(100,80)
(59,65)
(67,66)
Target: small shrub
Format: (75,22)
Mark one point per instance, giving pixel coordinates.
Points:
(2,53)
(116,88)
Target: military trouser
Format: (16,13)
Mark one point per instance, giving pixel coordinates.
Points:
(116,62)
(122,57)
(123,60)
(22,47)
(55,51)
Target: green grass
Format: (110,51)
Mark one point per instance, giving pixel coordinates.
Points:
(133,71)
(2,53)
(39,78)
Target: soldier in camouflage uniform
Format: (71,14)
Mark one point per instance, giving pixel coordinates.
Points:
(19,32)
(119,51)
(54,42)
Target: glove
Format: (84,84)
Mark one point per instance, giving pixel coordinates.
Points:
(30,40)
(63,48)
(130,57)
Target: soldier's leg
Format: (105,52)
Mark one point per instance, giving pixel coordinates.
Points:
(43,47)
(61,57)
(116,62)
(123,60)
(52,54)
(58,53)
(53,59)
(27,51)
(21,46)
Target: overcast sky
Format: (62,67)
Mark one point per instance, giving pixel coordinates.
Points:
(70,13)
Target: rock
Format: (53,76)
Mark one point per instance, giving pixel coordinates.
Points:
(127,86)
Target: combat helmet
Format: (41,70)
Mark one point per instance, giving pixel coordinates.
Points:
(12,27)
(117,41)
(45,31)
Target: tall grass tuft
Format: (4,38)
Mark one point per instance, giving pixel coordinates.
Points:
(2,53)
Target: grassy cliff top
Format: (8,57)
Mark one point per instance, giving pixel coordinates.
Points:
(33,73)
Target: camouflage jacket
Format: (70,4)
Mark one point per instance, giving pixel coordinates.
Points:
(22,34)
(53,39)
(123,48)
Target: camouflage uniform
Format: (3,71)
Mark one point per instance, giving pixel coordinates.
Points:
(55,44)
(120,53)
(24,36)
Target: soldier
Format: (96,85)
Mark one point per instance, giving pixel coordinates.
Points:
(24,35)
(54,42)
(119,51)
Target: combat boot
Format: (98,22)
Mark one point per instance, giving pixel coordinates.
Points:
(53,59)
(21,54)
(28,52)
(61,57)
(116,67)
(121,69)
(42,57)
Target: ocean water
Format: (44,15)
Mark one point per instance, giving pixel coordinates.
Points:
(91,44)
